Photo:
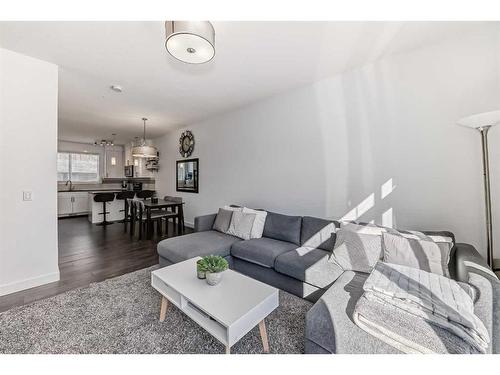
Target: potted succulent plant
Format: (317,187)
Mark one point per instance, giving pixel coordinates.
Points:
(201,269)
(214,265)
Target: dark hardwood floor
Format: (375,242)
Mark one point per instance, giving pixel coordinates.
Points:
(90,253)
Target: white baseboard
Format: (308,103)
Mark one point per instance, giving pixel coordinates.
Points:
(28,283)
(189,225)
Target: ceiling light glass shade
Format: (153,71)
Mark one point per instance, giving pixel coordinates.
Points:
(191,42)
(480,120)
(144,152)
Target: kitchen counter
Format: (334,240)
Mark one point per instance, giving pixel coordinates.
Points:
(91,190)
(115,209)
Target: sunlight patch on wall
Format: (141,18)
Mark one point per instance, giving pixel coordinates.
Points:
(360,209)
(386,188)
(387,218)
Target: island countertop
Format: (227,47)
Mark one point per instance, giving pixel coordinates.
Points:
(92,191)
(106,191)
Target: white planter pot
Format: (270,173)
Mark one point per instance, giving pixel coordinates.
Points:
(213,278)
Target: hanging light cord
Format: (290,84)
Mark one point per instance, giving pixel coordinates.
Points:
(144,137)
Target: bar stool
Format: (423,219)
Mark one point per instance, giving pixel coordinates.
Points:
(104,198)
(125,196)
(145,194)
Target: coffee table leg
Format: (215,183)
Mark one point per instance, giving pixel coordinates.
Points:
(163,308)
(263,335)
(228,350)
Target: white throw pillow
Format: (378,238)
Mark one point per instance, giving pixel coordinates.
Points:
(416,250)
(363,229)
(229,208)
(356,251)
(259,222)
(241,225)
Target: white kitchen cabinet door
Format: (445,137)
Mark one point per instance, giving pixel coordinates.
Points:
(64,204)
(116,170)
(80,203)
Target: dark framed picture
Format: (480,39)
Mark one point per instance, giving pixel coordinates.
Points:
(187,175)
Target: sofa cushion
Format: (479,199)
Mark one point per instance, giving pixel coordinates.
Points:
(319,233)
(308,265)
(283,227)
(178,249)
(262,251)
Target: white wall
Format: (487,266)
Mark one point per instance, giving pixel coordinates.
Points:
(337,147)
(28,148)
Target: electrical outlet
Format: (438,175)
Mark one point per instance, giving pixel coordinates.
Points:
(27,195)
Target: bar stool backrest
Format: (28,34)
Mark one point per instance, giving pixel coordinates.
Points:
(145,194)
(125,195)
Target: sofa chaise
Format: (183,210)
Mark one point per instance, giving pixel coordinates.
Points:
(291,257)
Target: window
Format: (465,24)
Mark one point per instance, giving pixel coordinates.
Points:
(77,167)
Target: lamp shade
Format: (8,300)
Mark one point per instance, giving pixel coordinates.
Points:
(144,152)
(191,42)
(480,120)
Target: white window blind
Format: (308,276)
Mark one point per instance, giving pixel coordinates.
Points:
(77,167)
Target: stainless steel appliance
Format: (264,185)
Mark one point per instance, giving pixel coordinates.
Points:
(129,171)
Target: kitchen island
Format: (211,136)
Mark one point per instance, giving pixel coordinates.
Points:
(115,210)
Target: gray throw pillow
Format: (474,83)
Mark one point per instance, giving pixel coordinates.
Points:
(222,220)
(417,251)
(356,251)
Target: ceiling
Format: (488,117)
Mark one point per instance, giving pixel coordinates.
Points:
(253,60)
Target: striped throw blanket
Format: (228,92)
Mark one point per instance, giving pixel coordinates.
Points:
(440,309)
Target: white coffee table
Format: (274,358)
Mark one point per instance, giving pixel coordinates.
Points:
(227,311)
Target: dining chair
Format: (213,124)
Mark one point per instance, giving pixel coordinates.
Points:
(138,215)
(176,215)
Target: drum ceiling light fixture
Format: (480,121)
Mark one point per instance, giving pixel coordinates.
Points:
(192,42)
(143,150)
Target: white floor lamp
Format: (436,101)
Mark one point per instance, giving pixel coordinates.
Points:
(483,122)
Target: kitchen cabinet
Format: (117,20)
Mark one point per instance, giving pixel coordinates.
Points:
(80,203)
(114,164)
(64,204)
(72,203)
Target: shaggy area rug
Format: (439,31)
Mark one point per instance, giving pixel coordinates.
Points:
(120,315)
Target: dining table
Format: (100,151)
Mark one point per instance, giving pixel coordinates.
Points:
(162,204)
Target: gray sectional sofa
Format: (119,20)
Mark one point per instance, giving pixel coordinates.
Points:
(275,259)
(279,260)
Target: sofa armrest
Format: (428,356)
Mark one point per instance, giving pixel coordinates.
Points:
(472,268)
(204,223)
(467,259)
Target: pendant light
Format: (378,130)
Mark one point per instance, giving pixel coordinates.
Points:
(192,42)
(143,150)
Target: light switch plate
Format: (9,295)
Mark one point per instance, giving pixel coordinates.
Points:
(27,195)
